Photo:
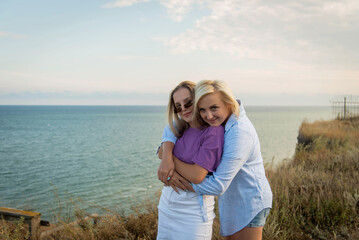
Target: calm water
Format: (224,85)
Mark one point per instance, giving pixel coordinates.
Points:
(105,155)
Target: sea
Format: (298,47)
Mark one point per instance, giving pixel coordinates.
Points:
(101,159)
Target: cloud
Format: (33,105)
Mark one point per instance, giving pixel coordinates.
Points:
(128,57)
(320,32)
(123,3)
(10,35)
(178,8)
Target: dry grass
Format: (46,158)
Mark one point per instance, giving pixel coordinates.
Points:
(16,230)
(335,133)
(140,224)
(315,195)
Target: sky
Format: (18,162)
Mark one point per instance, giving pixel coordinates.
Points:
(134,52)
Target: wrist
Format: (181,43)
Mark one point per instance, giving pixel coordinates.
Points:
(168,159)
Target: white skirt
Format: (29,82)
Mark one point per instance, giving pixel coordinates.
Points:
(186,215)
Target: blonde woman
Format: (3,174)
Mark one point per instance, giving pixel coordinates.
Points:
(245,197)
(183,214)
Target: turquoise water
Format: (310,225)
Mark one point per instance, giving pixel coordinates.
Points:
(105,155)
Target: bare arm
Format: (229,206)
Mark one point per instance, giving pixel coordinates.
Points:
(178,181)
(167,166)
(193,172)
(206,157)
(166,171)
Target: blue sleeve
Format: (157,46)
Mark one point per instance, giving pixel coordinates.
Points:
(238,146)
(168,135)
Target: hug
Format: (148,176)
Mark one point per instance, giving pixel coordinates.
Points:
(210,148)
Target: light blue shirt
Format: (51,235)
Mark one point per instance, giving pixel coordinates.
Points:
(239,180)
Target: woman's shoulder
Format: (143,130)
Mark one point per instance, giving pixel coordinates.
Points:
(241,130)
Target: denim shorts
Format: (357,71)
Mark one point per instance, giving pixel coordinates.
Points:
(260,219)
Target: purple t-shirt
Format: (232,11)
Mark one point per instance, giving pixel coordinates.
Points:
(202,147)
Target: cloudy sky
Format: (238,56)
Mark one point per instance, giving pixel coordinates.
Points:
(101,52)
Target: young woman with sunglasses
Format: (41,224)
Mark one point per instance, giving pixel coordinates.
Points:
(245,197)
(184,214)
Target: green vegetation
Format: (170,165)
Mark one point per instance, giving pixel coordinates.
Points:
(315,195)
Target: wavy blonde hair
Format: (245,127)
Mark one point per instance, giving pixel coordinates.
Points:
(179,125)
(205,87)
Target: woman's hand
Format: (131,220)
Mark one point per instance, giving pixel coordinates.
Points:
(177,181)
(165,170)
(167,166)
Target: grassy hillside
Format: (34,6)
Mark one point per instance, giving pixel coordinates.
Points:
(316,195)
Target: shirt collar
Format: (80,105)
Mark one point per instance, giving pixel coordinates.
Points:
(233,118)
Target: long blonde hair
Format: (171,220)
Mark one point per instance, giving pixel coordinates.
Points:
(180,125)
(205,87)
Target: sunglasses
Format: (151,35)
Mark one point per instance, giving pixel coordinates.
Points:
(179,108)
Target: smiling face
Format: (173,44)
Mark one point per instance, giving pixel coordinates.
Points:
(181,99)
(213,110)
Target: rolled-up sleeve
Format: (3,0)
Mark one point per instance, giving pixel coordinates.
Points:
(168,135)
(238,146)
